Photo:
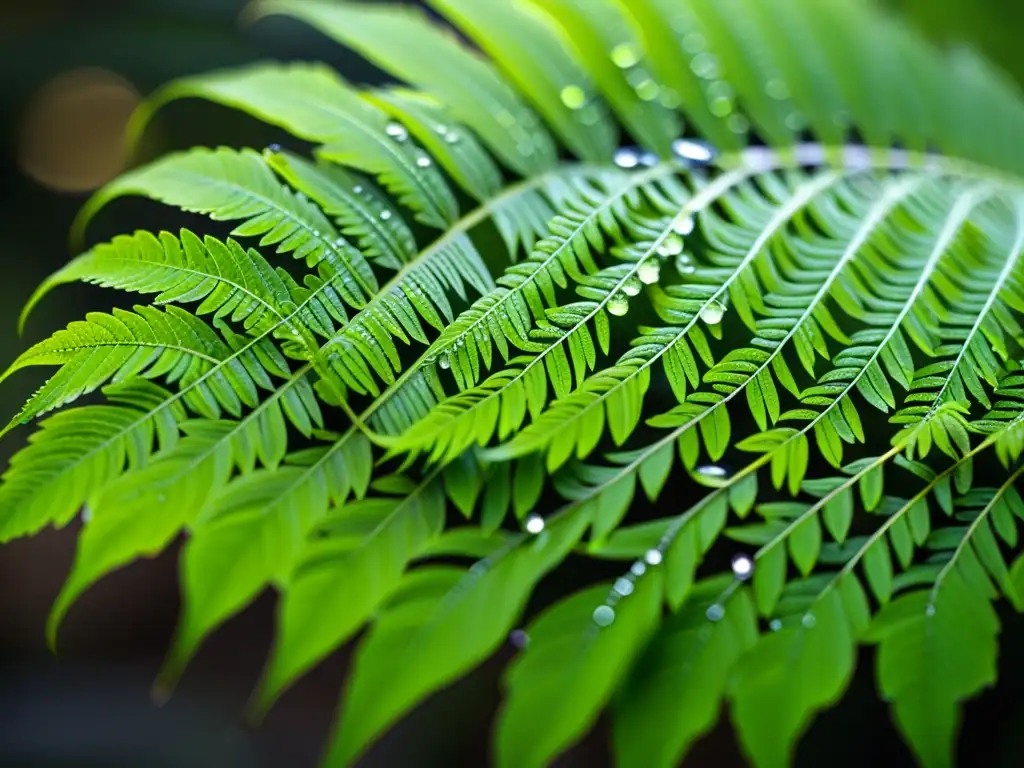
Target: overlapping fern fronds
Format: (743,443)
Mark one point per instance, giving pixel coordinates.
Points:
(793,295)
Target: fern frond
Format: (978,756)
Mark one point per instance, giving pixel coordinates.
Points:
(453,145)
(224,278)
(362,212)
(313,103)
(239,185)
(78,450)
(559,88)
(150,343)
(412,48)
(843,203)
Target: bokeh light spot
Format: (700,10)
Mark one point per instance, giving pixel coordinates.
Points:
(72,133)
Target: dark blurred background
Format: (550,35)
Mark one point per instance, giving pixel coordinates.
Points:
(70,74)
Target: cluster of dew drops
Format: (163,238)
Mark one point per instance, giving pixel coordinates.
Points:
(604,615)
(694,154)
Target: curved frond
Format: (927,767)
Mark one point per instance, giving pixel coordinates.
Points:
(313,103)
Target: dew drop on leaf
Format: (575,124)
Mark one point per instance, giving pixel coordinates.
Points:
(632,287)
(715,612)
(696,152)
(774,625)
(648,159)
(683,225)
(648,90)
(396,131)
(930,610)
(358,189)
(684,264)
(705,65)
(626,157)
(573,97)
(653,557)
(423,161)
(86,513)
(625,55)
(649,272)
(604,616)
(742,567)
(713,471)
(808,620)
(720,106)
(385,215)
(445,363)
(638,568)
(534,524)
(694,42)
(669,98)
(738,123)
(452,138)
(776,89)
(713,313)
(623,586)
(273,149)
(519,638)
(618,305)
(671,246)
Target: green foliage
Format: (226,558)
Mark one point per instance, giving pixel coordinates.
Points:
(828,288)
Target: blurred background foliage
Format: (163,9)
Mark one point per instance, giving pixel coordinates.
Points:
(70,73)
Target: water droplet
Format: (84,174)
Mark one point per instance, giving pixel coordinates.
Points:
(653,557)
(295,332)
(705,65)
(694,42)
(632,287)
(774,625)
(273,149)
(638,568)
(604,616)
(930,610)
(573,97)
(519,638)
(626,157)
(776,89)
(623,586)
(618,305)
(385,215)
(358,189)
(713,313)
(423,161)
(669,99)
(648,159)
(86,513)
(795,121)
(693,151)
(683,225)
(452,138)
(713,470)
(396,131)
(534,524)
(625,55)
(684,264)
(445,363)
(506,118)
(715,612)
(648,90)
(738,123)
(649,272)
(671,246)
(720,106)
(808,621)
(742,567)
